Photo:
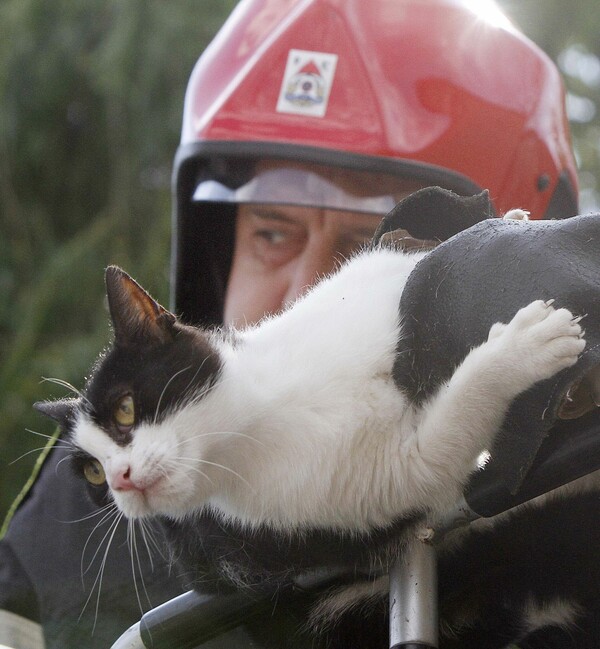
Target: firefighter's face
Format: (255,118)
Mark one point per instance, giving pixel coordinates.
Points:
(280,251)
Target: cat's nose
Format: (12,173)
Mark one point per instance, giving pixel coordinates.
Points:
(122,481)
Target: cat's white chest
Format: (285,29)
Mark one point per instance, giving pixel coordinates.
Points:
(320,402)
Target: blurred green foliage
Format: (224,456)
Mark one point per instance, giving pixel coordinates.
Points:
(569,32)
(92,97)
(90,111)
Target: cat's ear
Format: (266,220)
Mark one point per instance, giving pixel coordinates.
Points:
(135,315)
(60,410)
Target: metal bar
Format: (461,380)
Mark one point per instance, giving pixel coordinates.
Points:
(131,639)
(413,598)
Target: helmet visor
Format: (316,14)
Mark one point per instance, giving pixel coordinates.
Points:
(314,186)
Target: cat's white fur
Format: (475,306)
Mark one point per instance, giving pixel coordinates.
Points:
(557,612)
(306,427)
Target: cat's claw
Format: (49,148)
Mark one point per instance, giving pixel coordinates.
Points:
(539,341)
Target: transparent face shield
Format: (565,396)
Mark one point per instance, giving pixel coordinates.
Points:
(294,222)
(311,186)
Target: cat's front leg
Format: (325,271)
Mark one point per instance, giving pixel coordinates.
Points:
(461,420)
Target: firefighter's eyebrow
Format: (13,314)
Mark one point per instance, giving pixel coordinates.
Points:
(271,213)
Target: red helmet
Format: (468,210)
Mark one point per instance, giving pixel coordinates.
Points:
(443,92)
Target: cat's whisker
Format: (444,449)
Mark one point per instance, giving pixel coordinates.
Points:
(220,432)
(58,443)
(173,461)
(149,541)
(194,468)
(100,576)
(112,512)
(209,387)
(88,517)
(34,450)
(67,457)
(164,471)
(187,387)
(162,394)
(49,437)
(62,383)
(110,515)
(67,385)
(226,468)
(205,390)
(135,560)
(98,581)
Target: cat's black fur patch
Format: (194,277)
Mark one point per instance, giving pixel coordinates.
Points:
(219,556)
(489,579)
(161,378)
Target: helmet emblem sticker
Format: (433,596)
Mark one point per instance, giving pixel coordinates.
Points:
(306,83)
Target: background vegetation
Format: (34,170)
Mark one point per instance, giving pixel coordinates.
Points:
(90,115)
(91,99)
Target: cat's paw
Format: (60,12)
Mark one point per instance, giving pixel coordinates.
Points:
(539,341)
(496,330)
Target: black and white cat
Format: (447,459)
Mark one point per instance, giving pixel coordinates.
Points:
(295,427)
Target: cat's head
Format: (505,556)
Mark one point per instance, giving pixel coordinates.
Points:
(131,424)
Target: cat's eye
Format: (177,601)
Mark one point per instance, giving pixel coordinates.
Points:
(124,413)
(94,473)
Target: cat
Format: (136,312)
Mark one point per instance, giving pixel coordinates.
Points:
(293,432)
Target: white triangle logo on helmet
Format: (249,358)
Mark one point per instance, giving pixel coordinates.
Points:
(306,83)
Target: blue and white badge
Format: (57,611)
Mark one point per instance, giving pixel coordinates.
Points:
(307,83)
